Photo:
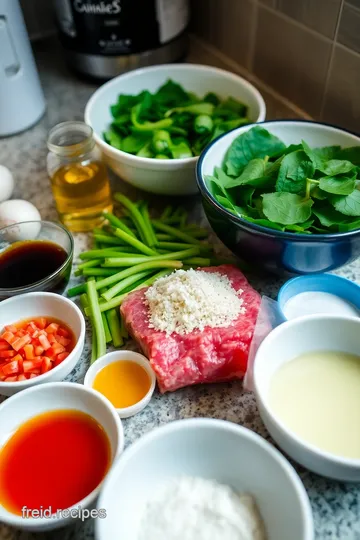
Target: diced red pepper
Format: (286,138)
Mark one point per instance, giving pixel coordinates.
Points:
(44,342)
(7,354)
(11,368)
(29,352)
(20,342)
(63,332)
(63,341)
(46,364)
(60,357)
(23,345)
(8,336)
(52,328)
(38,351)
(41,323)
(11,328)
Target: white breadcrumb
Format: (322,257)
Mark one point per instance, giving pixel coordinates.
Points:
(192,299)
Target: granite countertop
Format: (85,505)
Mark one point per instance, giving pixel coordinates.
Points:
(336,506)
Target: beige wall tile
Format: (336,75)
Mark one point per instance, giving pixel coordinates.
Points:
(349,29)
(270,3)
(292,60)
(320,15)
(228,25)
(342,101)
(355,3)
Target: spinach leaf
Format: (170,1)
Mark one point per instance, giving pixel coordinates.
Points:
(216,188)
(337,166)
(337,185)
(255,143)
(323,160)
(252,174)
(303,228)
(286,208)
(350,226)
(347,204)
(328,216)
(223,178)
(233,208)
(319,194)
(319,156)
(294,170)
(244,196)
(350,154)
(265,223)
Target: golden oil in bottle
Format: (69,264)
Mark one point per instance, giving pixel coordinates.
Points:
(79,178)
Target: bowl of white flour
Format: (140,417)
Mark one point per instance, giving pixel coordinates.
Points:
(203,479)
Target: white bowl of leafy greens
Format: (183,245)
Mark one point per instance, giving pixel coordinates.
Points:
(285,194)
(151,124)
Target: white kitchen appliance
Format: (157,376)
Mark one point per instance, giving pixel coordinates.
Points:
(22,100)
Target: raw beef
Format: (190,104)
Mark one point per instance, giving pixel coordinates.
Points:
(213,355)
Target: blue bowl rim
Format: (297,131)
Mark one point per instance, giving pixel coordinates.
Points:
(266,231)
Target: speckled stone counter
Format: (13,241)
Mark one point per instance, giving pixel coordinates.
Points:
(336,506)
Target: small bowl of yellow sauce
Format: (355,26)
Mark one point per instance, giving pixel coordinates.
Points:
(125,378)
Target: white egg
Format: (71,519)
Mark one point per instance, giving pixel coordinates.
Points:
(15,211)
(6,183)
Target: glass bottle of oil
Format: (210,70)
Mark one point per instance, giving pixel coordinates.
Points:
(79,178)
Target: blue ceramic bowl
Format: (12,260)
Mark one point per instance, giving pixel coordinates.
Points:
(277,251)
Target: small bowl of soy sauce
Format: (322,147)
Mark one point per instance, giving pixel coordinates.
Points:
(34,256)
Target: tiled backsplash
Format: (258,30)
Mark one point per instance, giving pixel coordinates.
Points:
(307,50)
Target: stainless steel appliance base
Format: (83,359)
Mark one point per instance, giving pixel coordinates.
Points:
(106,67)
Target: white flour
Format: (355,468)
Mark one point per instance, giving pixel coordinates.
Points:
(187,508)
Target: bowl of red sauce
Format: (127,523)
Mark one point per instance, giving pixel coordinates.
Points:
(57,443)
(35,256)
(41,340)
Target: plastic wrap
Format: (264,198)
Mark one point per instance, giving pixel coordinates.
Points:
(269,317)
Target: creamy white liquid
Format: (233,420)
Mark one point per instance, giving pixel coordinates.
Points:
(317,396)
(312,302)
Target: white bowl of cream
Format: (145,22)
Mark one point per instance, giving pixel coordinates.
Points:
(307,386)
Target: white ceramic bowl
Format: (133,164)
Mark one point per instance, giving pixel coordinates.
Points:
(172,176)
(44,304)
(118,356)
(20,408)
(286,342)
(212,449)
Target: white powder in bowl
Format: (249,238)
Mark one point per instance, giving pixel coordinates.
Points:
(187,508)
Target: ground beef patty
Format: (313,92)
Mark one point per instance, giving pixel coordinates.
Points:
(211,355)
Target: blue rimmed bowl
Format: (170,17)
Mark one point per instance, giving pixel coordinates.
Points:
(269,249)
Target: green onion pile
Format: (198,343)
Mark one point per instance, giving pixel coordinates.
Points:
(132,252)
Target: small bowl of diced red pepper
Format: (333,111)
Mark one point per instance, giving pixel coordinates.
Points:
(41,340)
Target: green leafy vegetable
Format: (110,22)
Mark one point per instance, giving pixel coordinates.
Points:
(348,205)
(140,122)
(337,184)
(297,188)
(255,143)
(286,208)
(295,168)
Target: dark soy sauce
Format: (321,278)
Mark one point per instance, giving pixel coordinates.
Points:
(27,262)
